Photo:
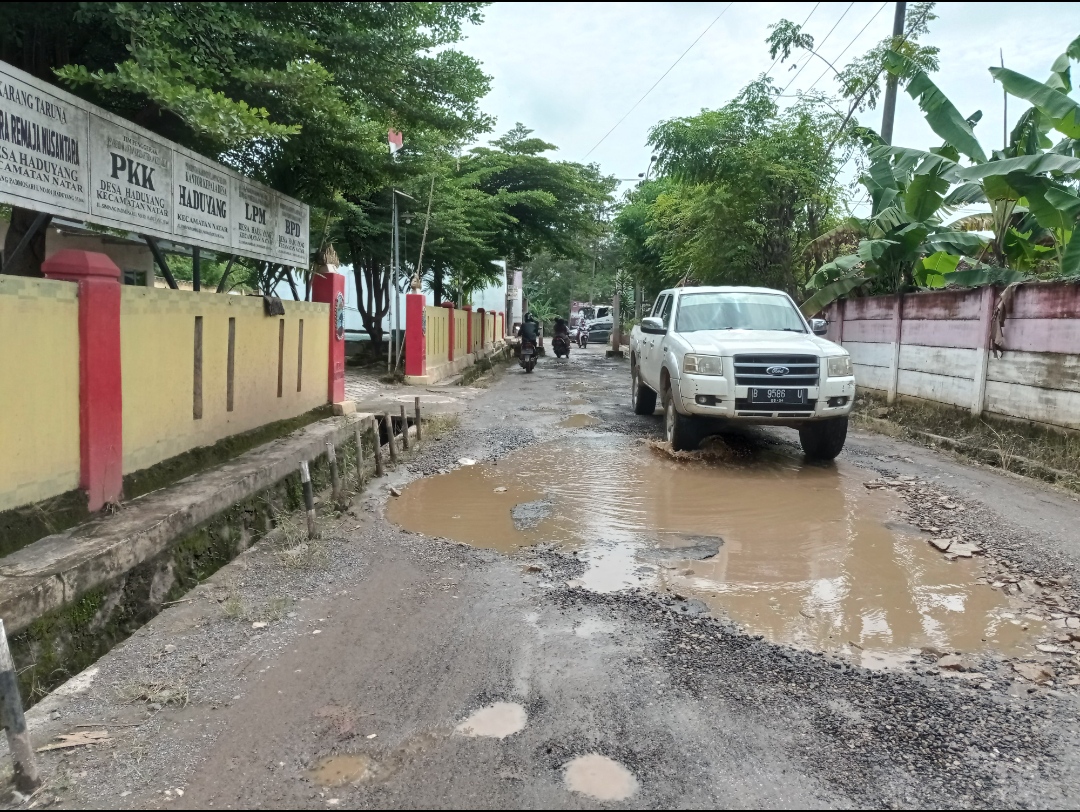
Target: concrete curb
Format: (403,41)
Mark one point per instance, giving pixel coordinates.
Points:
(55,570)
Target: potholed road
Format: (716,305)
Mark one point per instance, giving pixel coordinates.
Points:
(577,617)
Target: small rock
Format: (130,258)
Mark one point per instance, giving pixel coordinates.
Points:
(931,652)
(1048,649)
(881,412)
(986,686)
(180,792)
(466,461)
(575,584)
(291,614)
(393,491)
(962,550)
(372,735)
(954,662)
(500,489)
(317,631)
(169,649)
(259,624)
(1029,587)
(941,544)
(1072,623)
(55,715)
(1034,672)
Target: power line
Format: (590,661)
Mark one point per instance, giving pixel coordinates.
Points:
(804,22)
(658,81)
(837,57)
(807,62)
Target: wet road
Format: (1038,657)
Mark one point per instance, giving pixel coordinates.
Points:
(557,613)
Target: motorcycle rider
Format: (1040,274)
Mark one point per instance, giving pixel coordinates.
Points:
(530,328)
(561,328)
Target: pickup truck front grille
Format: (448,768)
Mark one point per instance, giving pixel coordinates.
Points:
(802,370)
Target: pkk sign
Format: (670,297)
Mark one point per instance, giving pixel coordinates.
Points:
(64,156)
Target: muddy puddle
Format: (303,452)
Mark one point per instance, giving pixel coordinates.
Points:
(800,553)
(578,421)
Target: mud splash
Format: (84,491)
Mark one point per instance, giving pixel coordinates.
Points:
(803,554)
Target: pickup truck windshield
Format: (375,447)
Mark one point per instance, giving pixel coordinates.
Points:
(737,311)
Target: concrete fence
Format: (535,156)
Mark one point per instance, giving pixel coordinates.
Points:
(99,380)
(1013,356)
(443,340)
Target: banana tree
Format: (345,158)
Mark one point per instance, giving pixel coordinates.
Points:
(1030,188)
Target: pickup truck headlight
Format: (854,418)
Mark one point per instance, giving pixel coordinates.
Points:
(840,366)
(702,364)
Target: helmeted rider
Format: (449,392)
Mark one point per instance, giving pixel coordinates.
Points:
(561,328)
(530,328)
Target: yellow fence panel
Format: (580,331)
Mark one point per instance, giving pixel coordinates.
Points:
(39,389)
(198,368)
(461,333)
(438,335)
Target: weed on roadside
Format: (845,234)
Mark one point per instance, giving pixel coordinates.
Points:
(292,546)
(160,692)
(1014,446)
(440,424)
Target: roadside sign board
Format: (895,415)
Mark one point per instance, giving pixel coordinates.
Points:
(64,156)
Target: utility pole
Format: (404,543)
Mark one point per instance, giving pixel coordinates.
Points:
(889,112)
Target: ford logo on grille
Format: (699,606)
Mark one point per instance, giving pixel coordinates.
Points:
(778,370)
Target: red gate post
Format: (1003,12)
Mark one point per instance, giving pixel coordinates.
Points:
(483,327)
(450,306)
(415,335)
(329,288)
(101,412)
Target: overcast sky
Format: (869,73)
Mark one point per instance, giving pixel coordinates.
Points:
(570,71)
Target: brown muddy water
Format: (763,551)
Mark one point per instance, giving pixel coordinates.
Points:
(578,421)
(803,554)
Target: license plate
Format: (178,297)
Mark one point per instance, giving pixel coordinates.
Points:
(797,396)
(526,352)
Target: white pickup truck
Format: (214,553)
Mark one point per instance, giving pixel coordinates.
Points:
(744,355)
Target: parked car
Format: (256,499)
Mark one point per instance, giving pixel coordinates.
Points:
(744,355)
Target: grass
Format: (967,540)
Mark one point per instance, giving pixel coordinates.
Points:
(439,424)
(163,692)
(292,546)
(1015,446)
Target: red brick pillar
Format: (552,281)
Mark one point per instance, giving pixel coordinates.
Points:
(101,413)
(415,334)
(450,306)
(329,288)
(483,327)
(468,329)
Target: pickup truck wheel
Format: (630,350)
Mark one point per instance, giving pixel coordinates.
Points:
(823,439)
(681,431)
(641,396)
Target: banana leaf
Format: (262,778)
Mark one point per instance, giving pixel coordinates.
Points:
(1027,164)
(964,194)
(963,243)
(985,275)
(1058,107)
(942,116)
(930,271)
(830,293)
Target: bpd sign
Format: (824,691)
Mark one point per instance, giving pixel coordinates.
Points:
(62,155)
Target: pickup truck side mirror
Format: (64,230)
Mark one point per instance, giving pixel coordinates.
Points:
(653,326)
(819,326)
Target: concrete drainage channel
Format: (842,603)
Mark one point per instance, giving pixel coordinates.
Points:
(69,598)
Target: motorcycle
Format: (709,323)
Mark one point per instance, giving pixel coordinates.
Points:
(583,336)
(560,344)
(528,354)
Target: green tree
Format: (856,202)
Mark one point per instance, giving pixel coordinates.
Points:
(742,190)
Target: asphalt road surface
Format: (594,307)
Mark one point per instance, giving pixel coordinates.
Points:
(556,613)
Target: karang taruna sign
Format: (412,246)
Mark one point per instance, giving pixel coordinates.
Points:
(64,156)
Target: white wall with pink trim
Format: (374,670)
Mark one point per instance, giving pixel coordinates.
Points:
(936,346)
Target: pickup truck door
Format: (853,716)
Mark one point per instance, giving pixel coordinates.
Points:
(652,356)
